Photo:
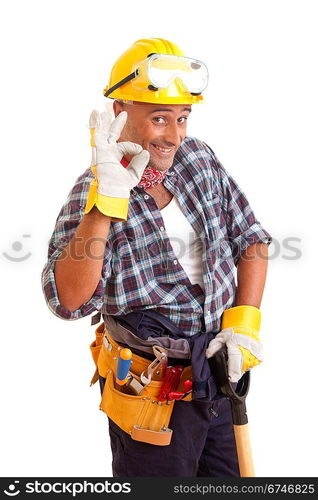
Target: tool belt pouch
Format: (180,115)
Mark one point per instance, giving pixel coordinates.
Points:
(95,348)
(142,416)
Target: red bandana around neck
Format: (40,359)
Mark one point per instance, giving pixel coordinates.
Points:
(150,177)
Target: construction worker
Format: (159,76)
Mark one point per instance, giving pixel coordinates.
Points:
(158,238)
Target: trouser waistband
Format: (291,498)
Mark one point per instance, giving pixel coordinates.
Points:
(177,348)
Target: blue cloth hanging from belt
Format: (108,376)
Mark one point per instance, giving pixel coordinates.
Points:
(150,323)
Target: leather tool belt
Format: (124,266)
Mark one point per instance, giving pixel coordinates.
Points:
(141,414)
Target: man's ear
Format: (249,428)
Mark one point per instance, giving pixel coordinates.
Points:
(118,107)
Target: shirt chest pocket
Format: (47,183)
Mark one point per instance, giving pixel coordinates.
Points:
(214,219)
(213,204)
(140,255)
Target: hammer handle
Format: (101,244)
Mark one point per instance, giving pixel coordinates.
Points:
(244,450)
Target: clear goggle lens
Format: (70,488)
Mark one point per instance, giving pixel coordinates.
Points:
(160,70)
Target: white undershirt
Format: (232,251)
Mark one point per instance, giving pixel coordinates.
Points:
(186,244)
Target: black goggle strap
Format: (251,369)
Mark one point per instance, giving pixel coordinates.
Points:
(122,82)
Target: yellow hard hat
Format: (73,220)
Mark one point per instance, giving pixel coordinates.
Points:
(155,70)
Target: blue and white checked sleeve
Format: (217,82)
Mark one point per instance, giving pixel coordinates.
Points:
(67,222)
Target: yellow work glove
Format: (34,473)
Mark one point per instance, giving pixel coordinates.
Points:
(112,183)
(240,328)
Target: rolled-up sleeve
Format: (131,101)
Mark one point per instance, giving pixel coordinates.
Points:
(242,226)
(67,222)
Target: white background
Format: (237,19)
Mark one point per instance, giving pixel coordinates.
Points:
(260,118)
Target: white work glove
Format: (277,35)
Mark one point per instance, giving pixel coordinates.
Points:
(110,190)
(244,348)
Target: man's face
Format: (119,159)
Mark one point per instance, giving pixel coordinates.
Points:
(158,128)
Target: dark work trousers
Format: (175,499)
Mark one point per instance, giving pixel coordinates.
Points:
(202,444)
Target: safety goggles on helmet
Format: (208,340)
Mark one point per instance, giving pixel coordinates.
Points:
(158,71)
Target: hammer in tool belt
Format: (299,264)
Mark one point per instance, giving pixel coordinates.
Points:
(237,398)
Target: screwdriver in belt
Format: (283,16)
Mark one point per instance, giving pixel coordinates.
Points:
(123,365)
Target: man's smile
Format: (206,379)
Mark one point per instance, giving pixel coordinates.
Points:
(162,151)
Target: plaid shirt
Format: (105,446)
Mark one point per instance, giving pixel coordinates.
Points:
(141,270)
